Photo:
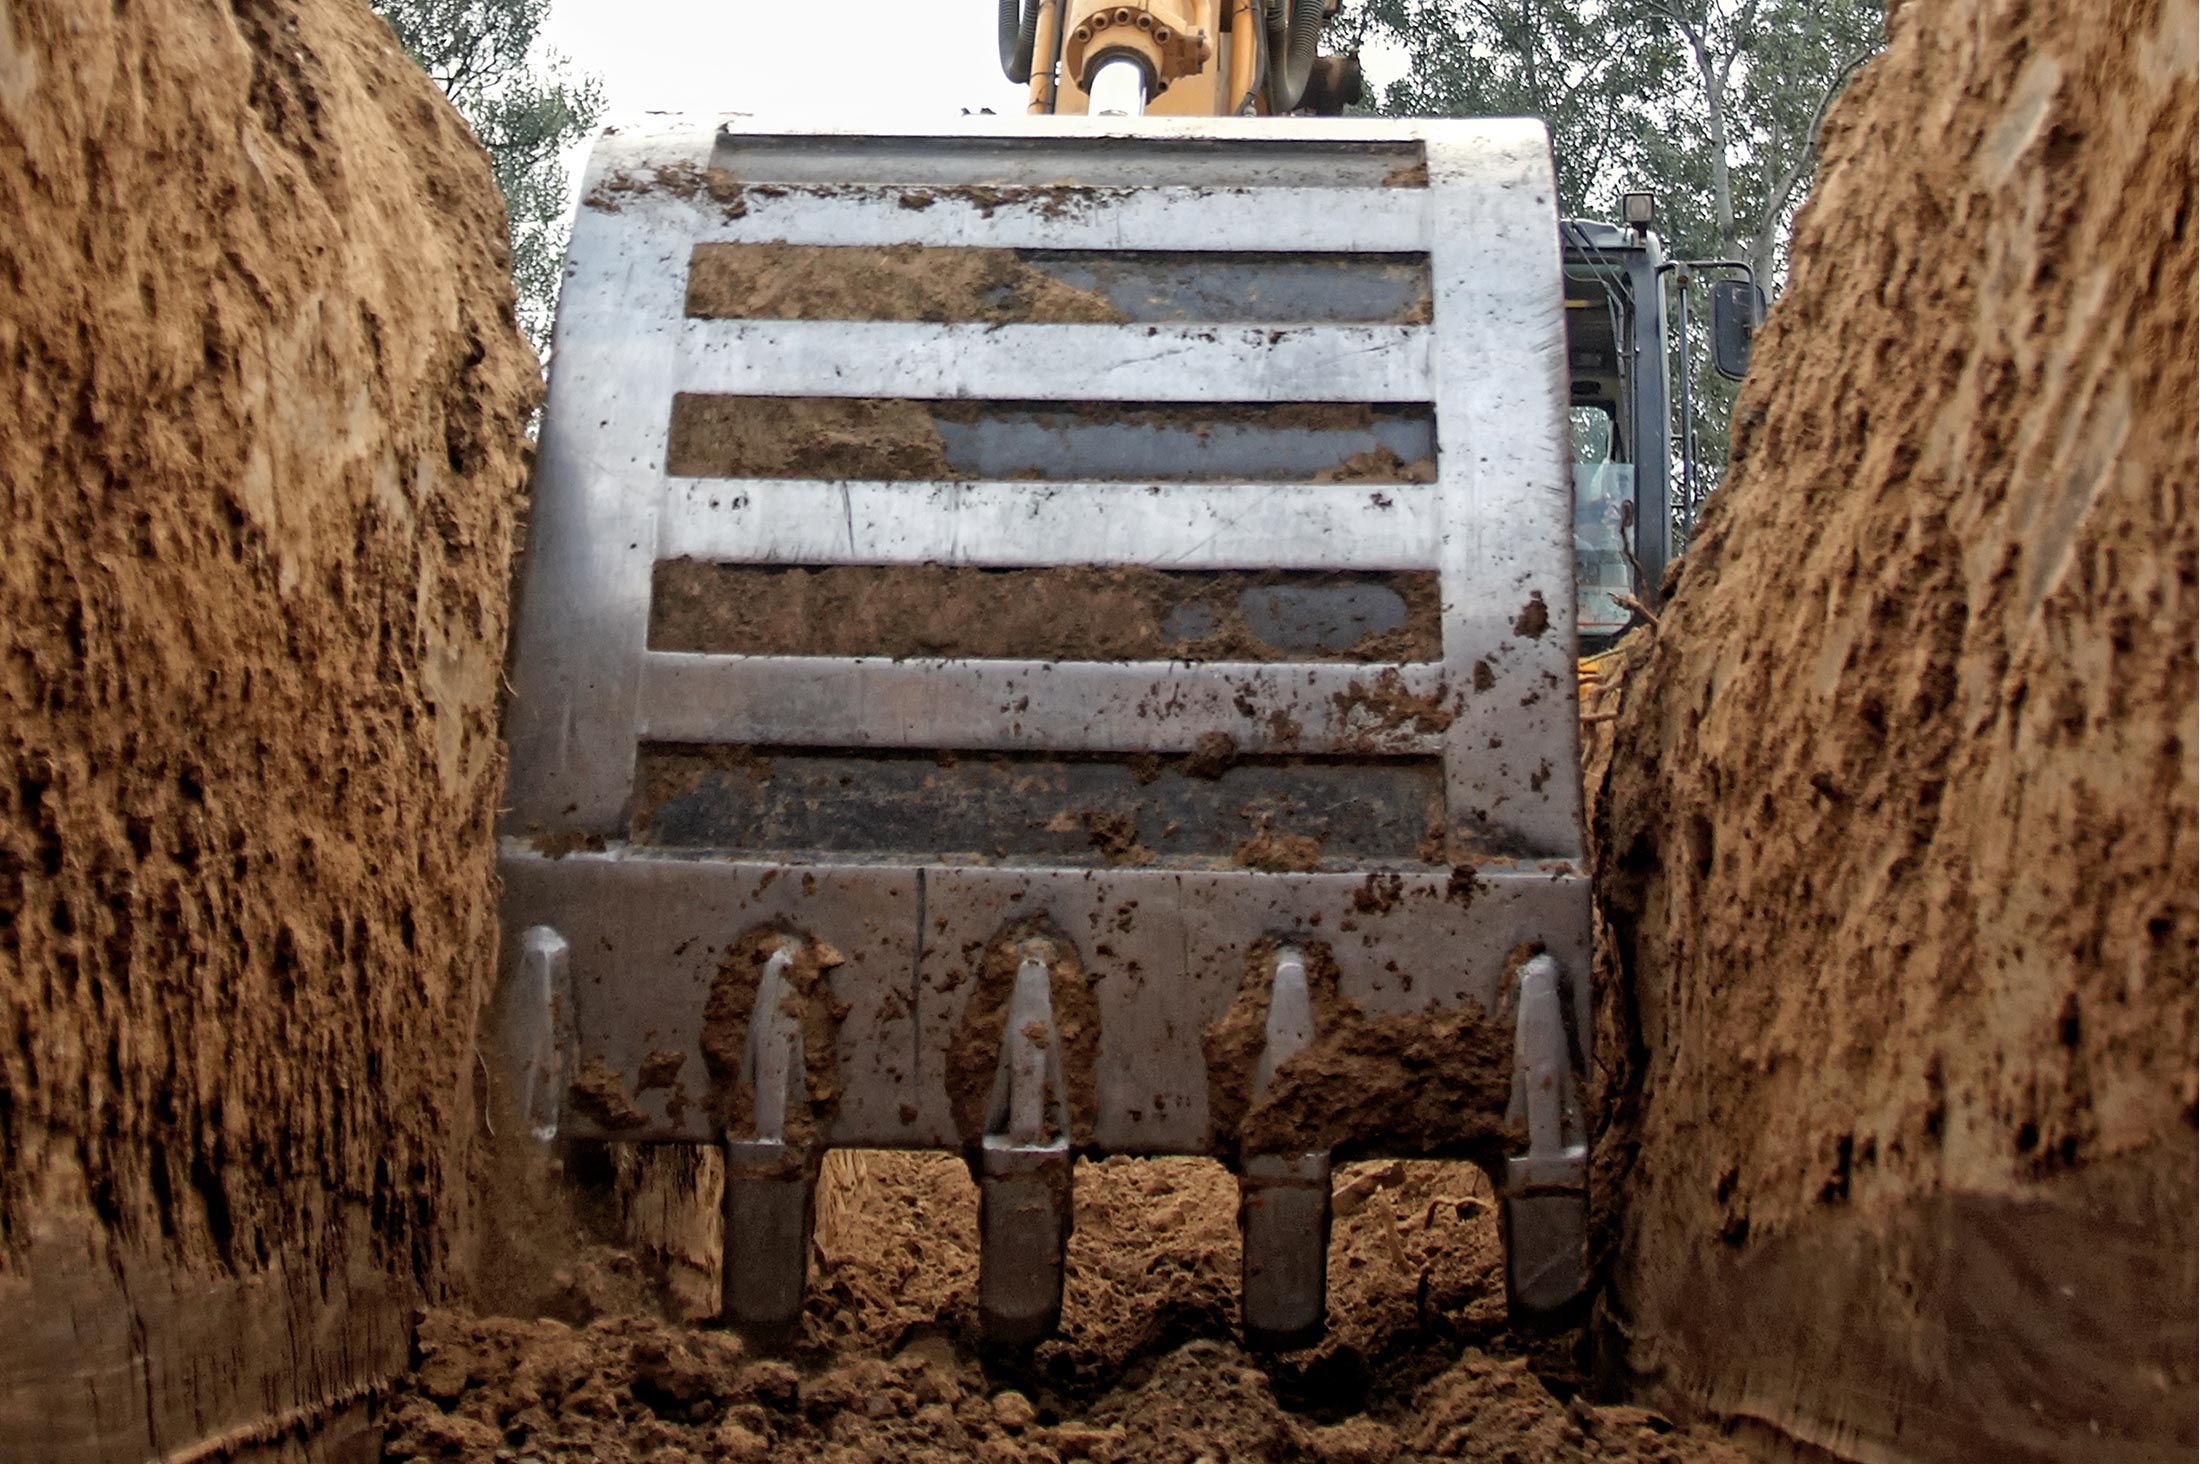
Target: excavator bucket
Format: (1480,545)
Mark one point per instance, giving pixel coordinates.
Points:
(1058,641)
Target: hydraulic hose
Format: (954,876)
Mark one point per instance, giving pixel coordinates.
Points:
(1245,33)
(1045,80)
(1294,34)
(1019,34)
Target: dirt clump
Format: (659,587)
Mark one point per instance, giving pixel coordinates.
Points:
(1232,1046)
(730,1013)
(1436,1083)
(1278,852)
(974,1055)
(1212,755)
(1069,613)
(1432,1083)
(600,1093)
(1379,465)
(682,180)
(1390,705)
(805,437)
(660,1069)
(779,281)
(1115,834)
(1050,200)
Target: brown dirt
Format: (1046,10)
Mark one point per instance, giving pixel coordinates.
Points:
(1053,200)
(1418,1364)
(1393,1085)
(1278,852)
(262,458)
(1899,834)
(1074,613)
(1380,464)
(1211,755)
(974,1054)
(886,282)
(1391,706)
(1232,1046)
(600,1093)
(898,438)
(806,437)
(1115,835)
(1420,1086)
(810,1001)
(683,180)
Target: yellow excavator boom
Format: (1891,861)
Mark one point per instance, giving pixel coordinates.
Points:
(1178,58)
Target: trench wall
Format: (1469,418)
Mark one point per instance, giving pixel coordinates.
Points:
(1898,836)
(262,452)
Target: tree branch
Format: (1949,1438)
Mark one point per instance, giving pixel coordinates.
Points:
(1744,25)
(1806,157)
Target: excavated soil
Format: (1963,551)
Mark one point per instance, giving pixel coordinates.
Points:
(1418,1363)
(974,1053)
(1898,834)
(1069,613)
(1895,808)
(806,437)
(261,460)
(898,438)
(883,282)
(809,1003)
(1417,1085)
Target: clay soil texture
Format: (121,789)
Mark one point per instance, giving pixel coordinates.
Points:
(1419,1362)
(261,463)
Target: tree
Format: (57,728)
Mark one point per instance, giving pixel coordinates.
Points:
(1751,89)
(525,108)
(1714,105)
(1543,58)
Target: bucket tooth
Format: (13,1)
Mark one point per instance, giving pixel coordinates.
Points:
(532,1042)
(1283,1199)
(1024,1179)
(1283,1211)
(769,1176)
(1544,1210)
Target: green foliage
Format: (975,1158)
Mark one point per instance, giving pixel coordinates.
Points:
(1714,105)
(526,109)
(1541,58)
(1750,90)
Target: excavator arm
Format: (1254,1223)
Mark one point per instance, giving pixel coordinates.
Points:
(1177,58)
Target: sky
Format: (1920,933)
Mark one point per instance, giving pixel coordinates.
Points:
(842,62)
(848,63)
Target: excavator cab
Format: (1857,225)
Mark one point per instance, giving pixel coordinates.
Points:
(1618,422)
(1631,431)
